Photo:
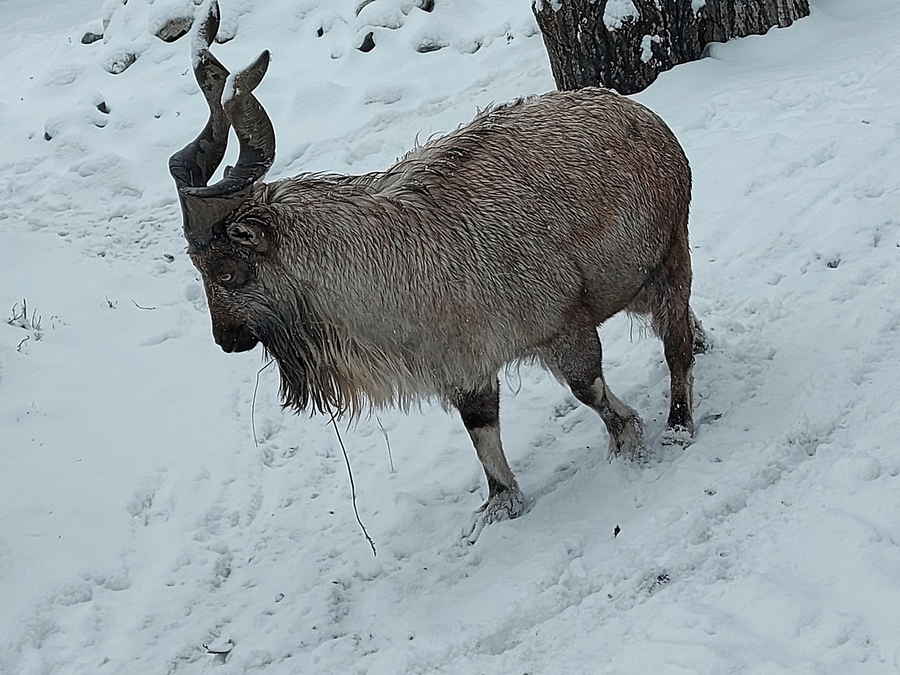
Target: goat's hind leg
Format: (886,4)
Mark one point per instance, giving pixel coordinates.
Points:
(679,343)
(683,336)
(578,358)
(480,412)
(667,299)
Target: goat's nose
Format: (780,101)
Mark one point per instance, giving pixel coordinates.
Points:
(235,339)
(224,338)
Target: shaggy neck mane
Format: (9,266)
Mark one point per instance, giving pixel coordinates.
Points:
(325,369)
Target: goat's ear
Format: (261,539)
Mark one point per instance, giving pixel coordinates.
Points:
(250,234)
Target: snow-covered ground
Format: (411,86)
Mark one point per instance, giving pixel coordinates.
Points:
(139,520)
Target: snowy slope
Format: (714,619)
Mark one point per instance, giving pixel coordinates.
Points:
(140,520)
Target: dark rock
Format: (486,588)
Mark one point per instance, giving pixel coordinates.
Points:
(120,62)
(368,43)
(90,38)
(175,28)
(429,46)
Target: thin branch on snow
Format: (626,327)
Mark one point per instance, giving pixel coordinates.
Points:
(253,402)
(353,488)
(387,442)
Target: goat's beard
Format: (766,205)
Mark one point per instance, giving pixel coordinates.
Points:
(321,369)
(300,349)
(326,369)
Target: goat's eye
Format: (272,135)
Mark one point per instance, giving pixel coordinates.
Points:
(225,277)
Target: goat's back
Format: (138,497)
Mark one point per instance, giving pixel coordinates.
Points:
(577,193)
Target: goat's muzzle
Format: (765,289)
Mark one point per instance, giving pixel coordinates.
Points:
(235,338)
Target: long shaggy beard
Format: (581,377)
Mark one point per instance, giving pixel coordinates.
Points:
(323,369)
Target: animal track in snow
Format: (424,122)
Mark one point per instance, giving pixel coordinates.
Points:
(159,338)
(61,76)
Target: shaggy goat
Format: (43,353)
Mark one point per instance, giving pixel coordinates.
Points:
(508,240)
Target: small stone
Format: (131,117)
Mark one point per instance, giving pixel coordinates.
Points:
(91,37)
(120,62)
(219,646)
(471,47)
(102,107)
(175,28)
(368,43)
(427,46)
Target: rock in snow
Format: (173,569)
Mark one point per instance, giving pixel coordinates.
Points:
(174,28)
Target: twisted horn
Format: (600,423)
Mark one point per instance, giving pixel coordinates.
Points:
(196,162)
(204,206)
(253,128)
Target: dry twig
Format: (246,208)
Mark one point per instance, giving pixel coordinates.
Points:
(353,487)
(253,402)
(387,441)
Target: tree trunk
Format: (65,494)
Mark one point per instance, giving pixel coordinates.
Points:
(625,44)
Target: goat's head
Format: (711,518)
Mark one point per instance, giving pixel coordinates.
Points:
(227,244)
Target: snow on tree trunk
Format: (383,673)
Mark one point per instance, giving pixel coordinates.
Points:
(625,44)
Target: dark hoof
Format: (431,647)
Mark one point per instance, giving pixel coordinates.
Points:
(629,443)
(677,435)
(505,505)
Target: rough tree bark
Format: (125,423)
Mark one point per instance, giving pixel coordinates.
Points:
(628,52)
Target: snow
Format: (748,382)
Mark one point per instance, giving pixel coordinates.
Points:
(617,11)
(139,520)
(229,90)
(647,47)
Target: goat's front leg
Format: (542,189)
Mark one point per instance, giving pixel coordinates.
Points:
(480,412)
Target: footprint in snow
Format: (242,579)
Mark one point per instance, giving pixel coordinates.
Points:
(62,75)
(159,338)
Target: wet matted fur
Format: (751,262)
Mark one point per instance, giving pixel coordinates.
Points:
(475,250)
